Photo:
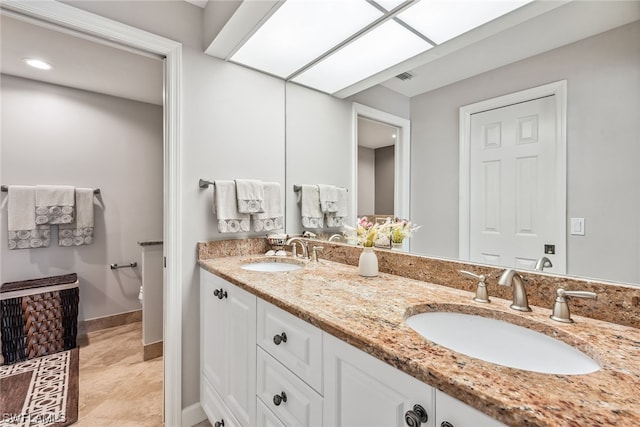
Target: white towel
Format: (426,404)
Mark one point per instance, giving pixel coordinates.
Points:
(309,199)
(337,218)
(54,204)
(250,194)
(80,231)
(328,198)
(226,208)
(271,218)
(23,233)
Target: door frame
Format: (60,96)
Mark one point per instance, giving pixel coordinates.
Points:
(559,89)
(70,17)
(402,166)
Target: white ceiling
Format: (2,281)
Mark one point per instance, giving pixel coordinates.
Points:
(373,134)
(79,62)
(89,65)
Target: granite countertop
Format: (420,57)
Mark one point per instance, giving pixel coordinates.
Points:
(369,314)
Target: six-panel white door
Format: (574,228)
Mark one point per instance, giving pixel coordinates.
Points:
(514,196)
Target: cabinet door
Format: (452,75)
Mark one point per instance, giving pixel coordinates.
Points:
(454,413)
(362,391)
(213,332)
(240,347)
(215,409)
(228,344)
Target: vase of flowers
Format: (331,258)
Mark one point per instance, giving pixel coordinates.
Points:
(399,230)
(366,235)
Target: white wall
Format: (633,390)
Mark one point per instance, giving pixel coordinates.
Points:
(366,181)
(603,74)
(319,151)
(384,99)
(233,127)
(56,135)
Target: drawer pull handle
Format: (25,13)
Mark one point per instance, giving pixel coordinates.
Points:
(219,423)
(446,424)
(220,293)
(279,398)
(416,416)
(277,339)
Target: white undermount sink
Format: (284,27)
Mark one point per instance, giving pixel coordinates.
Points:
(502,343)
(271,266)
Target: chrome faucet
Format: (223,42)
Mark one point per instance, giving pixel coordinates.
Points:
(305,250)
(543,263)
(336,238)
(510,277)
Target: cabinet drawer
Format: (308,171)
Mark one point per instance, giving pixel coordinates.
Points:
(213,405)
(296,404)
(451,411)
(266,418)
(302,350)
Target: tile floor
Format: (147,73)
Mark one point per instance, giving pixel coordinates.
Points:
(118,388)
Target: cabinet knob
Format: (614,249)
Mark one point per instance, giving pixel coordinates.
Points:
(219,423)
(446,424)
(277,339)
(279,398)
(416,416)
(220,293)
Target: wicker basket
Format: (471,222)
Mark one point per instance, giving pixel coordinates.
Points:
(39,317)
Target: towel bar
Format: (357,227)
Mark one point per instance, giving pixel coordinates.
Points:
(130,265)
(203,183)
(5,188)
(297,188)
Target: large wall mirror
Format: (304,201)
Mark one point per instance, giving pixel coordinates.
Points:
(602,74)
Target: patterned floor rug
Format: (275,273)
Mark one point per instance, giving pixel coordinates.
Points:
(40,392)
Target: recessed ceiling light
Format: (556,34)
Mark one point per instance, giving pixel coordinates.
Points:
(37,63)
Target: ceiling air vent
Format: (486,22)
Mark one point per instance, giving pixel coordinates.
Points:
(405,76)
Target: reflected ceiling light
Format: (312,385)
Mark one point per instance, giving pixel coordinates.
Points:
(301,31)
(442,20)
(382,47)
(37,63)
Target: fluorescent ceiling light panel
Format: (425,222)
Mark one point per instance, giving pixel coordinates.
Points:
(375,51)
(442,20)
(301,31)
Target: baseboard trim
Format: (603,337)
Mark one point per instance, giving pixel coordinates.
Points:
(105,322)
(192,415)
(151,351)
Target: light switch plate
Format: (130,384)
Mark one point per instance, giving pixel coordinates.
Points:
(577,226)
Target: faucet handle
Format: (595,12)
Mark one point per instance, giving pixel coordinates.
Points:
(481,291)
(561,311)
(314,252)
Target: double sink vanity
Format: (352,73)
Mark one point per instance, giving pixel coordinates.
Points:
(291,342)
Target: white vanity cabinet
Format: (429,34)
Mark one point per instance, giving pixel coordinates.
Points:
(451,412)
(361,390)
(227,352)
(262,366)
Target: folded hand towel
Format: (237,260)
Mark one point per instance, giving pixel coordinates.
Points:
(328,198)
(250,194)
(226,208)
(309,199)
(337,218)
(54,204)
(23,233)
(80,231)
(271,218)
